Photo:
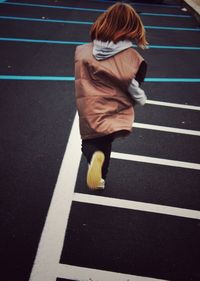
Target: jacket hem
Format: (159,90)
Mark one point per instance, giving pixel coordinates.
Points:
(124,131)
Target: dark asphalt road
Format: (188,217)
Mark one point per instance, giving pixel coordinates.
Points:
(115,234)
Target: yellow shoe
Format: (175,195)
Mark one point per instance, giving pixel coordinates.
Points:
(94,173)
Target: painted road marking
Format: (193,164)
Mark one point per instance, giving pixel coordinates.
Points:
(53,234)
(46,20)
(53,7)
(28,40)
(68,8)
(143,4)
(164,15)
(166,129)
(173,80)
(46,265)
(135,205)
(72,78)
(37,78)
(89,274)
(90,23)
(157,161)
(176,105)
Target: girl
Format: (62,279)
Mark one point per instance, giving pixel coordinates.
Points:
(108,74)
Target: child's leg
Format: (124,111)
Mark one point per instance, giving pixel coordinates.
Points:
(107,151)
(104,144)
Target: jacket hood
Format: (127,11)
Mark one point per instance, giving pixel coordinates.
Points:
(103,50)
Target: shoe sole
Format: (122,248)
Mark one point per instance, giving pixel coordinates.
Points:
(94,173)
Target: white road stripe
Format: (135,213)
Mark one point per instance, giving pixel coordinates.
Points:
(90,274)
(46,265)
(52,238)
(176,105)
(153,160)
(166,129)
(135,205)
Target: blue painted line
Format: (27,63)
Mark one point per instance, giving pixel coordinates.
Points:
(90,23)
(26,40)
(72,78)
(90,10)
(174,47)
(37,78)
(157,5)
(53,7)
(180,80)
(141,4)
(42,41)
(171,28)
(46,20)
(165,15)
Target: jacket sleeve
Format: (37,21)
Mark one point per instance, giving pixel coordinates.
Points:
(136,93)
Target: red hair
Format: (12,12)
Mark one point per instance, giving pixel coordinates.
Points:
(119,22)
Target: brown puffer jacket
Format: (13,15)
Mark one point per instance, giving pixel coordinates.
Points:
(103,103)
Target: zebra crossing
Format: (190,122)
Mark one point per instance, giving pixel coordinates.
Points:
(145,224)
